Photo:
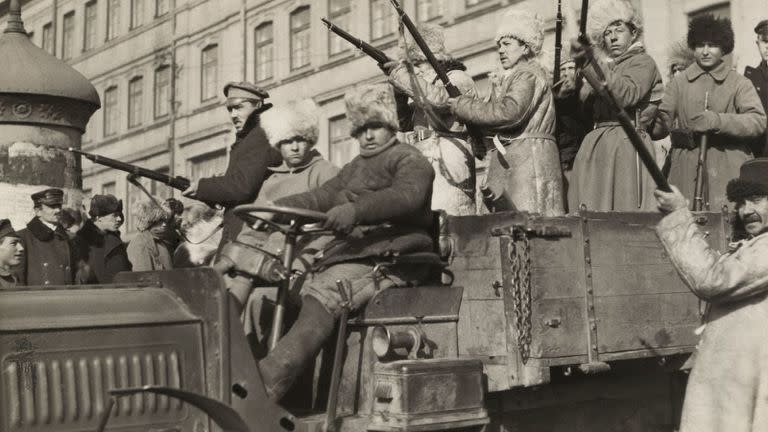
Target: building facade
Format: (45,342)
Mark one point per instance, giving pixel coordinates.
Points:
(159,65)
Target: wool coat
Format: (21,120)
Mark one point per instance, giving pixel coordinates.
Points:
(392,187)
(48,255)
(249,158)
(741,119)
(606,173)
(728,387)
(147,253)
(8,280)
(101,255)
(285,180)
(759,77)
(521,116)
(445,146)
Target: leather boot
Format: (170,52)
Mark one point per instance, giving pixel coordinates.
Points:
(280,368)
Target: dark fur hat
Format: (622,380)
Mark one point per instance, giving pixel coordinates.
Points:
(752,181)
(707,28)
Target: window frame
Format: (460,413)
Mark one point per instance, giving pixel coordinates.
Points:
(46,43)
(167,8)
(371,20)
(258,45)
(113,19)
(295,32)
(157,97)
(137,19)
(110,115)
(430,4)
(205,67)
(68,46)
(90,25)
(336,17)
(135,101)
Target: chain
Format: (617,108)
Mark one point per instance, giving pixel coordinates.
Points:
(520,268)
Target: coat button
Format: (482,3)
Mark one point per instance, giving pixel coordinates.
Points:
(47,283)
(66,268)
(45,264)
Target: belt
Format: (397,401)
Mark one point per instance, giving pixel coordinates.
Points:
(413,137)
(506,140)
(607,124)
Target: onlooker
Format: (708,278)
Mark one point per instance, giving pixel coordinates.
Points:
(148,250)
(11,255)
(101,252)
(48,258)
(72,221)
(759,77)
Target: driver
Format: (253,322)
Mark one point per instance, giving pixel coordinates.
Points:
(386,191)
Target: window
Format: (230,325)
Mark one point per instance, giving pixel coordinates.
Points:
(720,10)
(342,147)
(113,18)
(135,103)
(208,165)
(382,19)
(263,56)
(111,113)
(47,42)
(429,9)
(108,188)
(339,12)
(162,91)
(89,26)
(162,7)
(137,13)
(300,37)
(68,36)
(156,189)
(209,65)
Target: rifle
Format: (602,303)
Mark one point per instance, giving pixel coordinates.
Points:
(371,51)
(701,167)
(475,134)
(177,182)
(558,41)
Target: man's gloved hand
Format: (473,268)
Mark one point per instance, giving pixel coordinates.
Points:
(389,66)
(578,53)
(670,201)
(706,121)
(341,218)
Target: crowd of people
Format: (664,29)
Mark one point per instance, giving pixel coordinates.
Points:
(550,148)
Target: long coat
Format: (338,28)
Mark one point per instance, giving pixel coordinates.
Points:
(521,115)
(48,255)
(445,147)
(147,253)
(101,255)
(741,119)
(759,77)
(728,387)
(606,171)
(249,158)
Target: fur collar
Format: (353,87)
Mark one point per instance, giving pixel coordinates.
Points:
(42,232)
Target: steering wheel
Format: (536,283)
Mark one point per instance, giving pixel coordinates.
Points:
(299,217)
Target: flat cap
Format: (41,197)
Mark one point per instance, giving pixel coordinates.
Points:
(762,27)
(50,197)
(244,89)
(6,229)
(102,205)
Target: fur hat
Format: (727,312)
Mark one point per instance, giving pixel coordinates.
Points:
(680,55)
(102,205)
(523,25)
(433,35)
(373,103)
(707,28)
(752,180)
(296,119)
(603,13)
(147,213)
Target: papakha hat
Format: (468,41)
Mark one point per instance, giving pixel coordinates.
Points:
(752,180)
(373,103)
(295,119)
(102,205)
(524,25)
(707,28)
(147,213)
(50,197)
(603,13)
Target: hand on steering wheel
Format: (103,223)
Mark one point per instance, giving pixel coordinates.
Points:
(266,213)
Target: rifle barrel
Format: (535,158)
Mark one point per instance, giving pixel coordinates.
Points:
(177,182)
(583,22)
(365,47)
(558,42)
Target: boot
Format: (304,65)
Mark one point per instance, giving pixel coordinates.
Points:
(280,368)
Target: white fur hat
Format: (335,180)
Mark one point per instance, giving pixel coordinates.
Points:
(433,35)
(147,213)
(602,13)
(371,103)
(295,119)
(523,25)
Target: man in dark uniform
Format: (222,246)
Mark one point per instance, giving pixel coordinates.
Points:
(759,77)
(249,157)
(100,250)
(11,255)
(48,259)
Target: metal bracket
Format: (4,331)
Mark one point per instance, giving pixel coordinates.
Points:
(533,229)
(589,296)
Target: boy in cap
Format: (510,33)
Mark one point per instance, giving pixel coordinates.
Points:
(388,188)
(726,390)
(100,250)
(48,259)
(249,157)
(759,77)
(733,117)
(11,254)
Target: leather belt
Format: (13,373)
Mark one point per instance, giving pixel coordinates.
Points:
(506,140)
(606,124)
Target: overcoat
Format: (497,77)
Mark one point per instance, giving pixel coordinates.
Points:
(249,158)
(521,116)
(48,255)
(727,390)
(741,120)
(442,142)
(606,173)
(146,253)
(101,255)
(759,77)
